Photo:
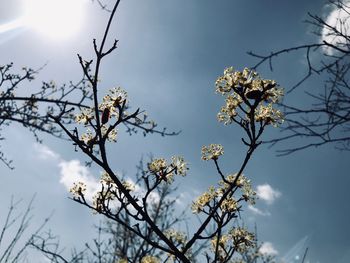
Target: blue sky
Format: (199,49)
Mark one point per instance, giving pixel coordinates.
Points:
(168,58)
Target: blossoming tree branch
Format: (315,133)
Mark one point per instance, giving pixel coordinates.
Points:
(249,103)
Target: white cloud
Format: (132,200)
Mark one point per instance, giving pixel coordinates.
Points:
(70,171)
(268,249)
(258,211)
(45,153)
(339,19)
(267,193)
(73,171)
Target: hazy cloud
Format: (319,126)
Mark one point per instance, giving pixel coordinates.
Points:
(258,211)
(339,19)
(268,249)
(45,153)
(183,199)
(267,193)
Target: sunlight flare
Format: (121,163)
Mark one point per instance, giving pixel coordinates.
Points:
(10,26)
(56,19)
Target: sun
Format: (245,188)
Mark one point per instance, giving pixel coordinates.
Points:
(56,19)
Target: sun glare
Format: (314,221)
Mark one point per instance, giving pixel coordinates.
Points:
(57,19)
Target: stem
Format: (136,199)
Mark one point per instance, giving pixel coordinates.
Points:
(99,55)
(212,213)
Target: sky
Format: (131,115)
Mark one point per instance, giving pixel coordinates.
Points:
(168,58)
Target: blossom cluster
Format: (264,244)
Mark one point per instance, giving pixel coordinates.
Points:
(150,259)
(204,199)
(165,171)
(115,98)
(85,116)
(242,238)
(111,135)
(229,204)
(110,107)
(248,194)
(88,137)
(106,179)
(108,193)
(239,238)
(78,189)
(212,152)
(177,236)
(269,115)
(244,91)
